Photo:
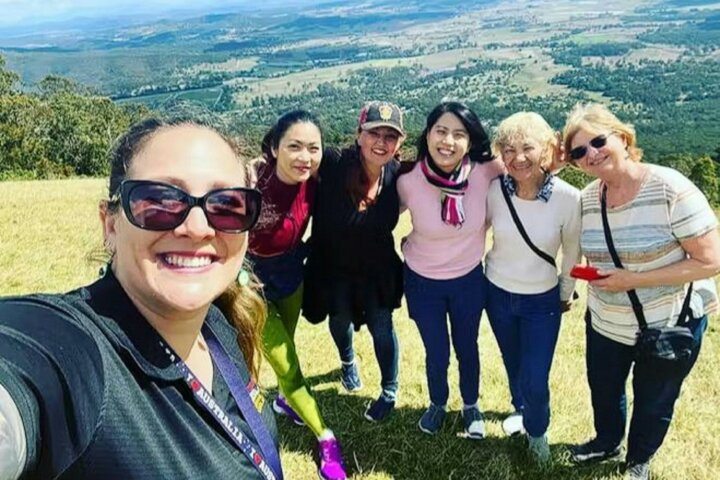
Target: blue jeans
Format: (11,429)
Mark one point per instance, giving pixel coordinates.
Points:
(385,343)
(430,303)
(608,367)
(526,328)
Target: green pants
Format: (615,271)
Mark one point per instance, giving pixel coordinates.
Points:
(278,339)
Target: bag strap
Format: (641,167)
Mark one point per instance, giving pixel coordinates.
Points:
(634,300)
(520,227)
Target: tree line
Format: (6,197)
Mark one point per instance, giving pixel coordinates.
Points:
(60,129)
(63,129)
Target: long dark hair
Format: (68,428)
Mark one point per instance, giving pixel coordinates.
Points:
(271,140)
(242,305)
(479,141)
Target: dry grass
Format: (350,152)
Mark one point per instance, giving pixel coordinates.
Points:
(43,247)
(660,54)
(537,71)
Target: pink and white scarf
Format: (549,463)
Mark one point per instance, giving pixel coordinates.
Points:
(452,188)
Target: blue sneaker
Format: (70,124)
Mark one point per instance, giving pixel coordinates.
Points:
(474,423)
(432,419)
(594,451)
(351,377)
(378,410)
(637,471)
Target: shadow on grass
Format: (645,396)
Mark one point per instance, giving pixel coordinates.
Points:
(398,449)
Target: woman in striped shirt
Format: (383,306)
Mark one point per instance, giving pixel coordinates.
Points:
(665,234)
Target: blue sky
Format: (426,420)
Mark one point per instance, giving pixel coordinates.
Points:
(19,12)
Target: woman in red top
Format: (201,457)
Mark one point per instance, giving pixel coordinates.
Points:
(292,151)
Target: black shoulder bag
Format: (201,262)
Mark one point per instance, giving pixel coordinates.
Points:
(668,347)
(520,227)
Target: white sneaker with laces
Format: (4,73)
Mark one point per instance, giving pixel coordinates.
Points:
(513,424)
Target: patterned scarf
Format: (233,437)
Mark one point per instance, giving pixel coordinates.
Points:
(545,190)
(452,188)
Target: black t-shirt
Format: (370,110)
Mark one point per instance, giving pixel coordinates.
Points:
(352,250)
(100,399)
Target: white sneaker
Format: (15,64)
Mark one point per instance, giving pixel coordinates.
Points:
(513,424)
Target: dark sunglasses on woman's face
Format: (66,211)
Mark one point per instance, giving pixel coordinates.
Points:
(579,152)
(159,206)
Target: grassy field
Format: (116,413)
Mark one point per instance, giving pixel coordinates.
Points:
(48,246)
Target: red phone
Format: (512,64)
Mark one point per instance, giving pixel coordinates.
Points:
(586,272)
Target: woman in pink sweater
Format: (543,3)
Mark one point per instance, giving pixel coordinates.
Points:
(445,192)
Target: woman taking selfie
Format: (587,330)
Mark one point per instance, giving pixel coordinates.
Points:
(354,274)
(139,375)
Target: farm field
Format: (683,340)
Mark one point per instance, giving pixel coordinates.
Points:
(53,246)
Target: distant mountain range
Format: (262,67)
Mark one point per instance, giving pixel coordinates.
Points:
(81,22)
(92,30)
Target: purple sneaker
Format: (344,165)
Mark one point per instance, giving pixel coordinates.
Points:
(281,407)
(331,462)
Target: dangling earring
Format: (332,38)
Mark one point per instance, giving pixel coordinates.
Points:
(243,278)
(108,264)
(105,269)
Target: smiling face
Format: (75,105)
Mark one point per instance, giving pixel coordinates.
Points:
(379,145)
(524,159)
(604,160)
(299,152)
(448,142)
(183,270)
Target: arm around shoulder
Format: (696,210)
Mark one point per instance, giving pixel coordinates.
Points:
(495,167)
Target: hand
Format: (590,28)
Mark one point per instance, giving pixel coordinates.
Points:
(253,167)
(619,280)
(559,161)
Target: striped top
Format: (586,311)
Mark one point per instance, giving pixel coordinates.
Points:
(647,232)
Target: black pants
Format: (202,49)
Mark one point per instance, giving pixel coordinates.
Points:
(655,392)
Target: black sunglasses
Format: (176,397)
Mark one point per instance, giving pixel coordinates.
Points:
(159,206)
(579,152)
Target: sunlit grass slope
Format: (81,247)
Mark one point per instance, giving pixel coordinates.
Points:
(48,231)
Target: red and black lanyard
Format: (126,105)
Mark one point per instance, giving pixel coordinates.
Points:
(265,457)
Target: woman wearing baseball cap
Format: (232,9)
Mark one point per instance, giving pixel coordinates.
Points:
(353,273)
